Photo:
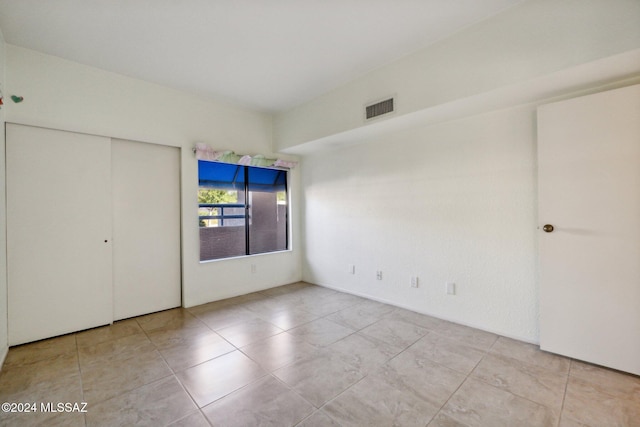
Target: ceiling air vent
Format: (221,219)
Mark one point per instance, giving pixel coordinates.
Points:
(379,108)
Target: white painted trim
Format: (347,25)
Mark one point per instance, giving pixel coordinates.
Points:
(3,356)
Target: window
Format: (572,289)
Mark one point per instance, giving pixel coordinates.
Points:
(242,210)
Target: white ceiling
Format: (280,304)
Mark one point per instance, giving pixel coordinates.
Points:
(269,55)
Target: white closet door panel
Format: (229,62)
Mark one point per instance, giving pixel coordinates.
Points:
(589,190)
(58,232)
(146,228)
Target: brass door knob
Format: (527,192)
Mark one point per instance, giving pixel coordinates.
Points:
(548,228)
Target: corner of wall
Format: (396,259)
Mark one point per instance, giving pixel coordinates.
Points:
(3,221)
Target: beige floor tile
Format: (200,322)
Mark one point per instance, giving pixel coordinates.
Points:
(42,381)
(568,422)
(442,420)
(600,404)
(226,316)
(216,378)
(117,348)
(373,402)
(320,378)
(375,307)
(331,303)
(202,309)
(40,350)
(224,303)
(474,337)
(174,319)
(450,353)
(321,332)
(265,402)
(172,327)
(313,292)
(531,354)
(412,372)
(43,419)
(245,333)
(119,329)
(378,309)
(155,404)
(356,317)
(366,378)
(477,404)
(63,389)
(318,419)
(342,297)
(172,336)
(286,289)
(195,419)
(397,333)
(307,297)
(51,380)
(247,298)
(364,352)
(612,382)
(290,318)
(522,379)
(422,320)
(266,307)
(190,350)
(104,380)
(279,350)
(324,309)
(296,300)
(293,300)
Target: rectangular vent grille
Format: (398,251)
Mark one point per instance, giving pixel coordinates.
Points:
(380,108)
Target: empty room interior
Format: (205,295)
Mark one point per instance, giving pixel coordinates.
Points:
(303,213)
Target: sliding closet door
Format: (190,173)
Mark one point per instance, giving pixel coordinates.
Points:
(146,228)
(58,232)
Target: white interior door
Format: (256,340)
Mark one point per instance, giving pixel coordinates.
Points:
(589,190)
(58,232)
(146,228)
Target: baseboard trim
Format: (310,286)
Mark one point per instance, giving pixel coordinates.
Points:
(3,355)
(395,304)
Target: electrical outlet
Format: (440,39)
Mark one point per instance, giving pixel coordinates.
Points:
(379,275)
(451,288)
(414,281)
(351,269)
(253,268)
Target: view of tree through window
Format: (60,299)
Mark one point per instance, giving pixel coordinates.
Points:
(212,197)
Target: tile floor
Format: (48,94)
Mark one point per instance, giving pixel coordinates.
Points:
(302,355)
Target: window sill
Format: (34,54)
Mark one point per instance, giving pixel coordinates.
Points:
(244,256)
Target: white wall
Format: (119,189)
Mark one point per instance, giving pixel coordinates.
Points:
(454,202)
(65,95)
(536,38)
(463,199)
(3,211)
(444,188)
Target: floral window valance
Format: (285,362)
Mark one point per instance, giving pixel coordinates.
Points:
(205,152)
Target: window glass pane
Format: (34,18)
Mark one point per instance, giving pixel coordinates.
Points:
(267,180)
(220,175)
(222,223)
(224,202)
(217,207)
(268,216)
